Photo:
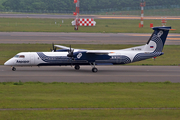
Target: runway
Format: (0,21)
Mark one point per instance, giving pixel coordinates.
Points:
(85,16)
(81,38)
(105,74)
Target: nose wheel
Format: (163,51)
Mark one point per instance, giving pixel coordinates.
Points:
(13,69)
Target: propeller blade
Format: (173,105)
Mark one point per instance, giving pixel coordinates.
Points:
(54,48)
(70,49)
(53,45)
(70,52)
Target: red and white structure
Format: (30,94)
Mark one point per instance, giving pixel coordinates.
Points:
(76,14)
(81,21)
(87,22)
(163,21)
(84,22)
(142,4)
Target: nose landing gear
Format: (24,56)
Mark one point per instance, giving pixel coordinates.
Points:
(76,67)
(13,69)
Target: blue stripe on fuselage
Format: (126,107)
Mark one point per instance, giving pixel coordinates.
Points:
(53,59)
(63,60)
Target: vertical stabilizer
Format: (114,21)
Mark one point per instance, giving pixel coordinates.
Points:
(157,40)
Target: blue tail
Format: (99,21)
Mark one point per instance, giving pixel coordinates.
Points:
(158,39)
(155,44)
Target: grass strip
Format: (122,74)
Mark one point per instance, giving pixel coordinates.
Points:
(91,115)
(171,56)
(102,26)
(89,95)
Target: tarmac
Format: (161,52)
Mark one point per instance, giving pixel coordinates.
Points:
(81,38)
(105,74)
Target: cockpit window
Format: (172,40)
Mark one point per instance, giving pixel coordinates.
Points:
(16,56)
(19,56)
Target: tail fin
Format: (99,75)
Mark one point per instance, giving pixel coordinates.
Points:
(157,40)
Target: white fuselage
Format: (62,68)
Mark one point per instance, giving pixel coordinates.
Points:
(60,58)
(69,56)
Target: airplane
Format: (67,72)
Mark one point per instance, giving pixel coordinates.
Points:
(67,56)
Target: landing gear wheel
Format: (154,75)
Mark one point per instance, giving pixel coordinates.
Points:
(94,70)
(77,67)
(13,69)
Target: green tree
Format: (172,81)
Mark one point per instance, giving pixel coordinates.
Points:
(85,5)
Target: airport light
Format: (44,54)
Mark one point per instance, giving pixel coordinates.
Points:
(76,14)
(142,4)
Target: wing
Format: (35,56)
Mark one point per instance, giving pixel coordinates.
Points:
(63,47)
(97,52)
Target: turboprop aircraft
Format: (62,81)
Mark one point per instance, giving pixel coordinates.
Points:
(76,57)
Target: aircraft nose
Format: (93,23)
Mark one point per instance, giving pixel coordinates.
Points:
(7,63)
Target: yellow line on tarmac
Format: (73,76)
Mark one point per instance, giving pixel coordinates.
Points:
(174,38)
(150,35)
(120,17)
(140,35)
(171,18)
(173,35)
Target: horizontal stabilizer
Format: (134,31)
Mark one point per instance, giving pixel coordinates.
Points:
(161,28)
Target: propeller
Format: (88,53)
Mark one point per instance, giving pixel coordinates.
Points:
(54,48)
(70,52)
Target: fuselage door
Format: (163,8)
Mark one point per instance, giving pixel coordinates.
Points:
(32,59)
(15,61)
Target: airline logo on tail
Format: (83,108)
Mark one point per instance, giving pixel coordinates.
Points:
(160,34)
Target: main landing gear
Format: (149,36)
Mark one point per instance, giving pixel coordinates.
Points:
(76,67)
(94,69)
(13,69)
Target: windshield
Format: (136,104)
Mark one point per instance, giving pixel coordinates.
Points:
(16,56)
